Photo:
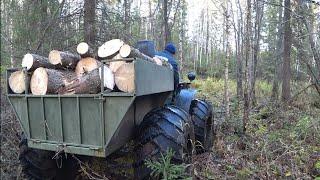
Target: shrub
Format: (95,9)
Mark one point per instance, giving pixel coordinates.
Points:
(165,169)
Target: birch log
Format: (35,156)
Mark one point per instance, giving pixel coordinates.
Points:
(34,61)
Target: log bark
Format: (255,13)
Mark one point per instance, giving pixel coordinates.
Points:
(34,61)
(110,48)
(127,51)
(64,59)
(86,65)
(124,78)
(49,81)
(89,83)
(85,50)
(17,81)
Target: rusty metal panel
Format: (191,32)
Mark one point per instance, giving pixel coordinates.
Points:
(151,78)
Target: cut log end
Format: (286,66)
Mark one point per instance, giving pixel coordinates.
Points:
(109,48)
(17,82)
(82,48)
(124,78)
(125,50)
(86,65)
(54,57)
(39,81)
(27,61)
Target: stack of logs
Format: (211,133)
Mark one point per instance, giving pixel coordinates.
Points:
(68,73)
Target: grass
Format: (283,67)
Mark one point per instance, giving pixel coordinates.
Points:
(279,142)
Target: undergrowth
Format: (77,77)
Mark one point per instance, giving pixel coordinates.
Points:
(279,142)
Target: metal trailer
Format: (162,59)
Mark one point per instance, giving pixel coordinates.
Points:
(99,124)
(91,124)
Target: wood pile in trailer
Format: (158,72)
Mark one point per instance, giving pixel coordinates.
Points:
(64,72)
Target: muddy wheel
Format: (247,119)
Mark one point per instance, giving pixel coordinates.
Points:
(39,164)
(202,118)
(163,129)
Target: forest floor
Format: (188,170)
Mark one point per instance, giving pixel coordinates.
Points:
(280,143)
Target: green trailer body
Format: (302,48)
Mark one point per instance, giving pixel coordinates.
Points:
(91,124)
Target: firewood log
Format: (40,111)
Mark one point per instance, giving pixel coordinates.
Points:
(110,48)
(85,50)
(114,65)
(89,83)
(49,81)
(17,81)
(124,78)
(64,59)
(89,64)
(86,65)
(33,61)
(127,51)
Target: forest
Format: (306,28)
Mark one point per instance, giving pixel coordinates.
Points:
(256,61)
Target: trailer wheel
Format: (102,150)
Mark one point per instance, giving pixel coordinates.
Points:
(203,122)
(162,129)
(39,164)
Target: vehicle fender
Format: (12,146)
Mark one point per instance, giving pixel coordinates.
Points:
(184,97)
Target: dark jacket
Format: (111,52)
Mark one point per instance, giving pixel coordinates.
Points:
(174,64)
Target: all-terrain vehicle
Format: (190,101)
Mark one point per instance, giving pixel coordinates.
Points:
(155,116)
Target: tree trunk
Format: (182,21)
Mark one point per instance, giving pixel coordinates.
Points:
(89,21)
(33,61)
(124,78)
(227,60)
(277,58)
(17,81)
(286,77)
(64,59)
(256,49)
(239,52)
(167,33)
(127,22)
(246,74)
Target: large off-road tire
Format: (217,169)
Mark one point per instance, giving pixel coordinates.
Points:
(162,129)
(40,165)
(203,122)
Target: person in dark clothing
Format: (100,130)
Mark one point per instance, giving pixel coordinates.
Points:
(169,52)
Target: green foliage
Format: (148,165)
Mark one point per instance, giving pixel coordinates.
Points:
(244,173)
(165,169)
(317,165)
